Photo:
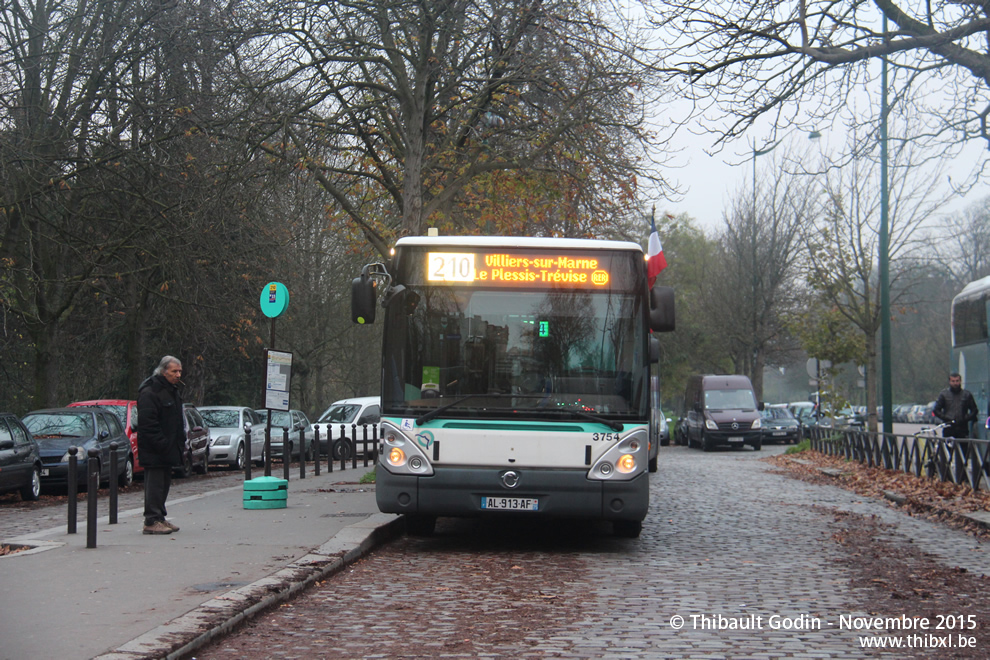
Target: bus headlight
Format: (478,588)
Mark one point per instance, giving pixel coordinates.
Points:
(626,464)
(401,455)
(623,460)
(396,457)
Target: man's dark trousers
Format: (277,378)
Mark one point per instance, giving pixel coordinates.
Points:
(157,482)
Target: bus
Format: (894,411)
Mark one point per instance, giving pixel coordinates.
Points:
(515,378)
(970,344)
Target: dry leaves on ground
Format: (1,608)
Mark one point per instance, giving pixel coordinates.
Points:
(922,496)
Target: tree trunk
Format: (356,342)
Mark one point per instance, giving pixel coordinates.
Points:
(45,365)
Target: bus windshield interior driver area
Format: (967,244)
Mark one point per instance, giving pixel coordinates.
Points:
(515,377)
(540,353)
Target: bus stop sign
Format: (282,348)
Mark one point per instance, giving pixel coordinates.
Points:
(274,299)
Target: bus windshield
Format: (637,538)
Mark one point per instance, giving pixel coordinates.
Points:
(536,352)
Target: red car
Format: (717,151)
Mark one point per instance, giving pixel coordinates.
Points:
(126,412)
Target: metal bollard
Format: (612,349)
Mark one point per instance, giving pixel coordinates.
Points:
(353,446)
(267,451)
(343,447)
(316,451)
(302,453)
(247,451)
(73,488)
(286,454)
(364,443)
(113,483)
(330,442)
(92,486)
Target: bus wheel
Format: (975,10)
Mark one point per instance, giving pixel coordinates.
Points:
(627,529)
(420,525)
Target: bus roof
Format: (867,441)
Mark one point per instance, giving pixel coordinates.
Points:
(519,242)
(973,289)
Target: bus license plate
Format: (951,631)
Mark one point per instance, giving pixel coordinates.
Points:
(736,439)
(510,503)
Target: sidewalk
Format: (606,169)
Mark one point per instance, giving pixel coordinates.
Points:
(136,595)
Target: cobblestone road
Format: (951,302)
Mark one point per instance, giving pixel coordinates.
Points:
(726,536)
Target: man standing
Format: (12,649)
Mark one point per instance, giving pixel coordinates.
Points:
(957,407)
(161,440)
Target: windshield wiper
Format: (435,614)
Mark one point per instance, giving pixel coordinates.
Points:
(615,426)
(436,412)
(423,419)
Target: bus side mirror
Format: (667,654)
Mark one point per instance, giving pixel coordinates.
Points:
(363,298)
(654,350)
(662,309)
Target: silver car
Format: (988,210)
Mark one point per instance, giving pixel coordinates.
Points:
(227,434)
(293,420)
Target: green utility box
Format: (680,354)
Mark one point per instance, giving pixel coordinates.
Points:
(266,493)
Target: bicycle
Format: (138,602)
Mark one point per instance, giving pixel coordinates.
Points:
(943,449)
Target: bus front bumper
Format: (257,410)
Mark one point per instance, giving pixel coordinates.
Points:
(465,492)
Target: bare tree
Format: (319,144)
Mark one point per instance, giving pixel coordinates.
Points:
(110,184)
(743,62)
(756,268)
(423,103)
(967,252)
(843,244)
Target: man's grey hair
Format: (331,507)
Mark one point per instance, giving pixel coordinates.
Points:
(163,365)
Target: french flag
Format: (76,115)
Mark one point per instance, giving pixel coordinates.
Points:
(656,261)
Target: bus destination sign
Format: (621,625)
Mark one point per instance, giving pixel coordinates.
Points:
(515,269)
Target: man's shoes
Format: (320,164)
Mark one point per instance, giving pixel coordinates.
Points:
(174,528)
(159,527)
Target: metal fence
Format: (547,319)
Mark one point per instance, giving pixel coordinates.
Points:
(340,448)
(923,454)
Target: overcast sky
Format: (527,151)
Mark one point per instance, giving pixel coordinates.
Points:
(709,182)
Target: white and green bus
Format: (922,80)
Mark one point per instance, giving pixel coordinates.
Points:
(971,344)
(515,378)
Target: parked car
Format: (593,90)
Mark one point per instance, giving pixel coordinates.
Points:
(20,459)
(196,455)
(806,414)
(295,421)
(922,413)
(57,429)
(680,432)
(126,412)
(900,412)
(853,417)
(351,414)
(227,435)
(779,425)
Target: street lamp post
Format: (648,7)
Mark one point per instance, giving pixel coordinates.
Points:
(886,396)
